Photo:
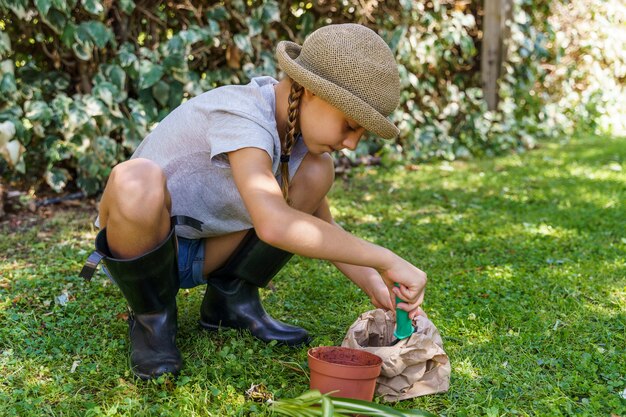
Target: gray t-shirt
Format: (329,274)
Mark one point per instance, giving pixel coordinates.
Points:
(191,145)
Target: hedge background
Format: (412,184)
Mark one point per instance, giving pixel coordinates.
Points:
(82,82)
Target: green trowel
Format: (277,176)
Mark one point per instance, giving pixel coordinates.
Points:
(404,325)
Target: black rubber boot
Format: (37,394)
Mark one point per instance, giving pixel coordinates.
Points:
(232,295)
(149,284)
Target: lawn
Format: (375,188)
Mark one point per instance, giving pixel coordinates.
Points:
(526,258)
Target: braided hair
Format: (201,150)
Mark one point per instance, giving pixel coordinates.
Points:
(287,142)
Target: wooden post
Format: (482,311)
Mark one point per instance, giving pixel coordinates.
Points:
(1,200)
(507,17)
(497,12)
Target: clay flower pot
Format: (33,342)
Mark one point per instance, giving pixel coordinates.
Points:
(351,372)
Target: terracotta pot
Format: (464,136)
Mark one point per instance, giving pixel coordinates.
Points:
(350,372)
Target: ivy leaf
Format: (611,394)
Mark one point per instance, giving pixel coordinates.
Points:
(149,104)
(93,106)
(63,5)
(192,35)
(61,104)
(175,44)
(175,94)
(7,84)
(126,55)
(56,20)
(161,92)
(76,117)
(117,76)
(38,110)
(218,13)
(271,12)
(127,6)
(81,35)
(61,83)
(5,44)
(243,42)
(254,27)
(149,74)
(106,92)
(105,147)
(239,5)
(69,35)
(13,153)
(174,62)
(16,8)
(83,50)
(43,6)
(99,33)
(213,28)
(396,37)
(307,23)
(7,132)
(93,6)
(57,178)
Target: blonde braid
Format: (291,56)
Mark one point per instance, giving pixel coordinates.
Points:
(286,143)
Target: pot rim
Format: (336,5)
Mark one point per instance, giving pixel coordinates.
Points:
(360,352)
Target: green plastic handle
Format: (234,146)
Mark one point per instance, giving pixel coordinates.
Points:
(404,325)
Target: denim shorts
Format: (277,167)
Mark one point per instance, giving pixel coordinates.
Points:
(190,263)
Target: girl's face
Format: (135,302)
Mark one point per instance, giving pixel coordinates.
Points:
(324,127)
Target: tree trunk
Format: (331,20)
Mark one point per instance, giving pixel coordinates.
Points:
(493,54)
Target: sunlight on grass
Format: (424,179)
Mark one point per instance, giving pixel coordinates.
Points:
(466,369)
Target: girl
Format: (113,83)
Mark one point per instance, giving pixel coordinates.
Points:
(243,172)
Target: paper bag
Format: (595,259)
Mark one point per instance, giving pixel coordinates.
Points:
(413,367)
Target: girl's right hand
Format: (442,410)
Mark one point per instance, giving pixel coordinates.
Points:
(412,285)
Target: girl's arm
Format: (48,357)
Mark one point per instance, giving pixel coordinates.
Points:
(286,228)
(381,292)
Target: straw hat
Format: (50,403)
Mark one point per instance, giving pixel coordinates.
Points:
(350,67)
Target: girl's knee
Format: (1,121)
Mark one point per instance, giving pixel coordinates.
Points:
(135,176)
(136,186)
(312,182)
(317,171)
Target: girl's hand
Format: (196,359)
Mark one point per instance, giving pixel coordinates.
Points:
(379,294)
(412,284)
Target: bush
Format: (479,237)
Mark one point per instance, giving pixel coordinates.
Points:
(82,83)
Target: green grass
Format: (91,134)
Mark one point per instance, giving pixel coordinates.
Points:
(526,258)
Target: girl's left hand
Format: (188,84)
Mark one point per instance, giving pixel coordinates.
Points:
(379,293)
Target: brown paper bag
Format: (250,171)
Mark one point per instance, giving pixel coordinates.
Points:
(413,367)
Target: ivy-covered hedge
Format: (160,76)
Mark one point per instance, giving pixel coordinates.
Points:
(82,82)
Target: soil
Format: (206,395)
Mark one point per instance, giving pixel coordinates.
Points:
(345,356)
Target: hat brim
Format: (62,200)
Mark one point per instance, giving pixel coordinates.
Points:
(351,105)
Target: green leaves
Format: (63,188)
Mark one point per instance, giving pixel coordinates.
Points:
(99,34)
(43,6)
(161,92)
(57,178)
(127,6)
(242,41)
(5,44)
(93,6)
(149,73)
(169,53)
(38,110)
(90,34)
(313,403)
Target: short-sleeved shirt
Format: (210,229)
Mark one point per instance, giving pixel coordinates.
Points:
(191,146)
